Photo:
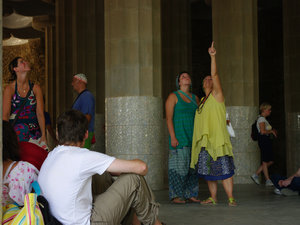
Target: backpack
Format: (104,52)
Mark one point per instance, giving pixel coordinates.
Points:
(49,219)
(254,131)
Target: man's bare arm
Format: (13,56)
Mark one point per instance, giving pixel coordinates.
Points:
(136,166)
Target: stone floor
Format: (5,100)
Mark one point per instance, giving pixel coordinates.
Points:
(257,205)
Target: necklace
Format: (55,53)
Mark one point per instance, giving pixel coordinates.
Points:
(22,89)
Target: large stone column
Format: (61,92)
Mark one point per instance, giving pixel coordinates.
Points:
(80,49)
(1,75)
(235,36)
(291,42)
(133,83)
(46,24)
(176,42)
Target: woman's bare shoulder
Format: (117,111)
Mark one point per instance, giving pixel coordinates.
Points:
(10,87)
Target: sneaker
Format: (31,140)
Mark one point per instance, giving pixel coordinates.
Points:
(269,183)
(277,191)
(289,192)
(254,177)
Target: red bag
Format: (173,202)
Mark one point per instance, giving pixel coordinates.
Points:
(32,153)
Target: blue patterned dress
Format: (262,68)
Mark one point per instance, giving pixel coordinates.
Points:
(27,125)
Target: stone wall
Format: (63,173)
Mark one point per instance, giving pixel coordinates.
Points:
(134,130)
(34,53)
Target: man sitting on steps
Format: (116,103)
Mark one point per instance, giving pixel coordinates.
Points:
(66,176)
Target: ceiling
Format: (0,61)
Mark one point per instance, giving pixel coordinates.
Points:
(25,19)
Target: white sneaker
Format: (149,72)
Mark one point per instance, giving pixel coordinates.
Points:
(277,191)
(254,177)
(269,183)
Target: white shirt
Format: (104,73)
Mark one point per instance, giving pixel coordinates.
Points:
(65,179)
(262,119)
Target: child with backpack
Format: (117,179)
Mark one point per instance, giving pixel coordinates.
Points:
(264,138)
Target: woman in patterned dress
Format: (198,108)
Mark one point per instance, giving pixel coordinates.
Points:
(30,123)
(180,112)
(212,150)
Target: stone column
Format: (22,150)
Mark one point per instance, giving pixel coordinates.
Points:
(133,105)
(235,36)
(1,75)
(46,24)
(80,49)
(291,43)
(134,131)
(176,42)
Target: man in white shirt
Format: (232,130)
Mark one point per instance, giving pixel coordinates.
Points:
(66,175)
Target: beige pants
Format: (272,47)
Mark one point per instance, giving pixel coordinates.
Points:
(129,193)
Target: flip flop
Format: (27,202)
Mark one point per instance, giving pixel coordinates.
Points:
(232,202)
(209,201)
(178,201)
(193,200)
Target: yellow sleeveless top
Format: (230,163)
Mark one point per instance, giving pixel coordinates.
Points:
(210,131)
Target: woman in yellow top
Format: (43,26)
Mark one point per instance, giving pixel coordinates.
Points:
(211,149)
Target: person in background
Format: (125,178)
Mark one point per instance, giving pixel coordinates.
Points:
(180,112)
(287,186)
(27,119)
(17,175)
(66,177)
(85,103)
(212,150)
(48,124)
(265,143)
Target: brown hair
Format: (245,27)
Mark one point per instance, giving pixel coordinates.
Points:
(11,66)
(10,142)
(71,127)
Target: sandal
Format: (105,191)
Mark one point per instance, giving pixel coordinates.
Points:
(193,200)
(209,201)
(232,202)
(178,201)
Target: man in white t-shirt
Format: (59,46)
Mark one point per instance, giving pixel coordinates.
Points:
(66,175)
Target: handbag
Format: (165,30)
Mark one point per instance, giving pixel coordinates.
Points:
(230,130)
(35,211)
(29,214)
(229,127)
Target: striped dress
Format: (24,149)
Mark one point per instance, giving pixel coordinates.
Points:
(183,181)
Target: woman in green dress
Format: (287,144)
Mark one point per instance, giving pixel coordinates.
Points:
(180,112)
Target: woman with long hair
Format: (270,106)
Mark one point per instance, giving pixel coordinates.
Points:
(23,103)
(17,175)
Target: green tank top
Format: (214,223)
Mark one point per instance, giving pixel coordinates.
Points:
(210,131)
(183,121)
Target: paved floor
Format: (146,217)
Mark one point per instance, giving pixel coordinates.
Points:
(257,205)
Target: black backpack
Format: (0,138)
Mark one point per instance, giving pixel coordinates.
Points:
(49,219)
(254,131)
